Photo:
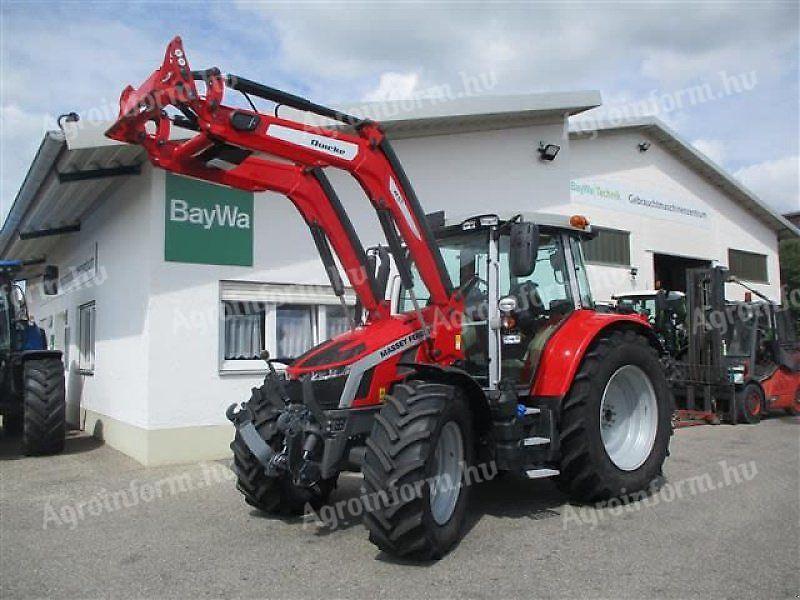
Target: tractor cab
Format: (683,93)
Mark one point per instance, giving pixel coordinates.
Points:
(520,277)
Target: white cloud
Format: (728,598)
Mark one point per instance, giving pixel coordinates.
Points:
(713,149)
(776,182)
(21,133)
(393,86)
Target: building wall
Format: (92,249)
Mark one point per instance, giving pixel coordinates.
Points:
(118,231)
(614,159)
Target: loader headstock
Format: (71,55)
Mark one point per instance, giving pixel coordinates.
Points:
(171,85)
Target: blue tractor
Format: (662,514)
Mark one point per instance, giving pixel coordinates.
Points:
(32,391)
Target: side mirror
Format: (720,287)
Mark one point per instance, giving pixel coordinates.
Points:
(524,247)
(50,280)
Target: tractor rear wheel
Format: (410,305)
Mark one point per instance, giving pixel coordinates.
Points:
(270,494)
(616,421)
(749,404)
(45,426)
(415,488)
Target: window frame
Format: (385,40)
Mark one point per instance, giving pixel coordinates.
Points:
(89,308)
(600,231)
(749,253)
(273,295)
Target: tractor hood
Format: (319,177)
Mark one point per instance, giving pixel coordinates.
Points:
(381,338)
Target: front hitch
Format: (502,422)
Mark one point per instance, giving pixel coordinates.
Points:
(300,429)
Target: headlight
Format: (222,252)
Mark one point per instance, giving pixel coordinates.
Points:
(330,374)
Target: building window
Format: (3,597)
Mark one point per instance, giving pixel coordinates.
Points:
(748,266)
(286,320)
(86,338)
(609,247)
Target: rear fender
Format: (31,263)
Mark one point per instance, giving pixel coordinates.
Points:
(567,347)
(474,394)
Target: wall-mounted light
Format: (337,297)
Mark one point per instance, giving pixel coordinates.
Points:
(644,146)
(548,151)
(71,117)
(634,272)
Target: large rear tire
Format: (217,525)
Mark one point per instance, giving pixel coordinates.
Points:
(415,487)
(270,494)
(616,421)
(45,426)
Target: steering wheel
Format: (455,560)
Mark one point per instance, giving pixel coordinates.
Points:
(466,288)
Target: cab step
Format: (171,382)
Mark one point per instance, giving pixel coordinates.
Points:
(541,473)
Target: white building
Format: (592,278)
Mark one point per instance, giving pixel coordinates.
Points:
(150,360)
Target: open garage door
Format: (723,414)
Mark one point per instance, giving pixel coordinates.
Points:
(670,270)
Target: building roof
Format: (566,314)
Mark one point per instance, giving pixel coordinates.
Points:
(674,143)
(47,200)
(793,217)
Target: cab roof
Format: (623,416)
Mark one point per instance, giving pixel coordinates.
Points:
(548,220)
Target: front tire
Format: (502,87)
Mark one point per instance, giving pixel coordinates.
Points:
(616,421)
(415,486)
(44,422)
(749,404)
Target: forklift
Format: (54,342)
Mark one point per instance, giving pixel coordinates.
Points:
(742,358)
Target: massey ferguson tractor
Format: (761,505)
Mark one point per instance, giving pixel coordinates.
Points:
(495,355)
(31,376)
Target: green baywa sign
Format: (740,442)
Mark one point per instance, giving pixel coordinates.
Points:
(207,223)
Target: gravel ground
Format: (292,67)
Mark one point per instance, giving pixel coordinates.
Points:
(727,524)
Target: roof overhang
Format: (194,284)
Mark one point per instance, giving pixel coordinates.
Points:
(75,169)
(684,151)
(69,175)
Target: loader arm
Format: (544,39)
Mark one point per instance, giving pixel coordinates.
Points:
(367,154)
(307,188)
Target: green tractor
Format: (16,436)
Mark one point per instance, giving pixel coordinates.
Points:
(32,391)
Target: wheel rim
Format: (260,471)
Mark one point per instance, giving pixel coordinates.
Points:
(753,403)
(448,460)
(629,417)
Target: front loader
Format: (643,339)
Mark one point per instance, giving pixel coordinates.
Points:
(493,355)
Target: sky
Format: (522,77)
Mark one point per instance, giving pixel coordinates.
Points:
(724,75)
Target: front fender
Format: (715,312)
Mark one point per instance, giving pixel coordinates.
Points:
(565,350)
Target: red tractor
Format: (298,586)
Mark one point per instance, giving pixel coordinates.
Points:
(496,355)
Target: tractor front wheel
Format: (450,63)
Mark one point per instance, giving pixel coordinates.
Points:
(45,426)
(616,420)
(415,487)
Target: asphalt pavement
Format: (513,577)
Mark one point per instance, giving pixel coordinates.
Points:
(93,523)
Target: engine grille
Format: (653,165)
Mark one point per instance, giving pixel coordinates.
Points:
(327,392)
